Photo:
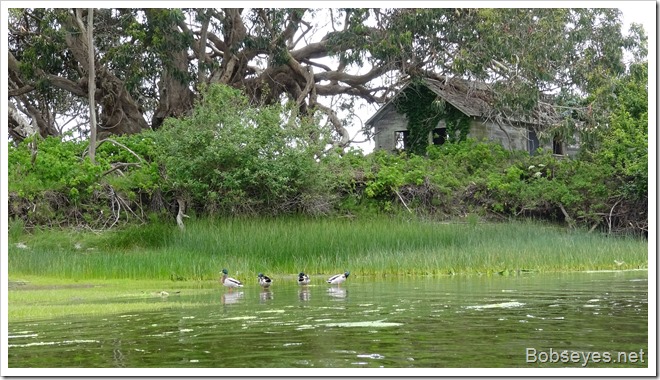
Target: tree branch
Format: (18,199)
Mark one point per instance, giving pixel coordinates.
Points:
(352,80)
(336,123)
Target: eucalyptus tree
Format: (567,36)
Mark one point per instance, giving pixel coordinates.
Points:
(152,63)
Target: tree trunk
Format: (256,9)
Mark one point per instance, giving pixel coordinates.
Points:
(120,113)
(176,97)
(92,86)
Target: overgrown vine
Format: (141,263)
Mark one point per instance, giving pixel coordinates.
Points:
(424,110)
(457,124)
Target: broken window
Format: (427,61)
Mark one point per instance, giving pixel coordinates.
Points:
(557,146)
(533,141)
(401,140)
(439,136)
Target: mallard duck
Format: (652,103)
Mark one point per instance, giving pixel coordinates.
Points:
(303,279)
(338,278)
(230,282)
(264,281)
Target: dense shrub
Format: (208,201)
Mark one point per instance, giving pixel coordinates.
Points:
(232,158)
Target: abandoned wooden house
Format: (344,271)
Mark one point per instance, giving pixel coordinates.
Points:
(390,126)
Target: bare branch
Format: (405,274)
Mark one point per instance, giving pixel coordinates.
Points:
(336,123)
(350,79)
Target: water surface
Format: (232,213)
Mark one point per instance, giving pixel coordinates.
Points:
(527,320)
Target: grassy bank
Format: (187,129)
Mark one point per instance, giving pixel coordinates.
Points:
(375,247)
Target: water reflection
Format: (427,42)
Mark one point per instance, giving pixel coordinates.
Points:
(304,294)
(265,295)
(337,292)
(231,298)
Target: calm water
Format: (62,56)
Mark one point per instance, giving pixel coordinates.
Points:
(460,321)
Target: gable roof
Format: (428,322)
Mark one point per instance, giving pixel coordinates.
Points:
(473,99)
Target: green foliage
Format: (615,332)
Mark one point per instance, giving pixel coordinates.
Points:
(424,110)
(55,165)
(231,157)
(624,144)
(417,102)
(143,174)
(545,184)
(457,124)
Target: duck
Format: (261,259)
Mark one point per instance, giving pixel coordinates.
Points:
(264,281)
(338,278)
(303,279)
(230,282)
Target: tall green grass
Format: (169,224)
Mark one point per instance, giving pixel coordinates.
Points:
(285,246)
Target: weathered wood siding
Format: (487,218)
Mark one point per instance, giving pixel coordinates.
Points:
(385,128)
(511,137)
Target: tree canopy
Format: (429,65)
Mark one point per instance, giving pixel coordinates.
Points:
(152,64)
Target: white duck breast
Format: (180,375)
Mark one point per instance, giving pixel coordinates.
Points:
(264,281)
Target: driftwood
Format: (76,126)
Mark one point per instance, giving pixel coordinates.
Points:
(180,215)
(402,201)
(568,218)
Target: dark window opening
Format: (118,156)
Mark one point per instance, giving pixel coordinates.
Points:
(401,140)
(557,146)
(439,136)
(533,142)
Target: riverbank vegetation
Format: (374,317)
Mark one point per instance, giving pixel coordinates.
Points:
(262,188)
(229,158)
(374,247)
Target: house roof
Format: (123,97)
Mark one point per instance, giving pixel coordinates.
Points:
(473,99)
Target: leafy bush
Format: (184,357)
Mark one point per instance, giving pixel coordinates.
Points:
(230,157)
(51,164)
(624,145)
